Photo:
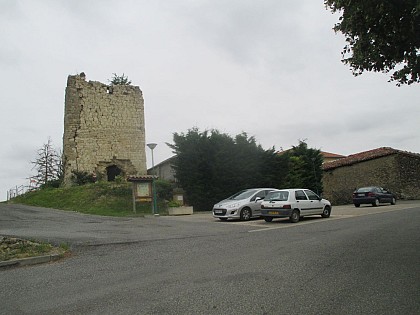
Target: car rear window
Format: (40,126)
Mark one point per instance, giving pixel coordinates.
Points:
(277,196)
(365,189)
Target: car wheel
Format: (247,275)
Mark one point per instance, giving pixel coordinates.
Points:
(223,219)
(375,203)
(294,217)
(246,214)
(394,201)
(268,219)
(357,205)
(326,213)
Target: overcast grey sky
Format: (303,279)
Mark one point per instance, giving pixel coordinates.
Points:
(270,68)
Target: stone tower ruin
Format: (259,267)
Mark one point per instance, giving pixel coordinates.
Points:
(104,131)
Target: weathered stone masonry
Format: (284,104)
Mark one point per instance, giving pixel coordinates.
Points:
(104,130)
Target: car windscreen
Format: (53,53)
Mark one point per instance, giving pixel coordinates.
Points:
(244,194)
(277,196)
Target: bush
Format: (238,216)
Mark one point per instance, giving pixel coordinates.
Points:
(55,183)
(119,179)
(82,178)
(164,189)
(174,204)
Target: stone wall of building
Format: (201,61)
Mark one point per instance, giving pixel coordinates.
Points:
(409,180)
(398,172)
(103,129)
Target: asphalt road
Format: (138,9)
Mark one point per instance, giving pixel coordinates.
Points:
(359,261)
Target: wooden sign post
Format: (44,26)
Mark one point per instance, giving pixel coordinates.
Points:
(142,189)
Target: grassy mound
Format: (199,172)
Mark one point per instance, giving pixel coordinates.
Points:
(101,198)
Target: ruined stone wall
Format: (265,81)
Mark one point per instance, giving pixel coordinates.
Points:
(103,127)
(397,172)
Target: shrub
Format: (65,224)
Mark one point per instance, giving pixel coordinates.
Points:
(55,183)
(164,189)
(82,178)
(174,204)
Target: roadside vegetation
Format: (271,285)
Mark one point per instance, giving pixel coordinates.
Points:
(209,166)
(100,198)
(17,248)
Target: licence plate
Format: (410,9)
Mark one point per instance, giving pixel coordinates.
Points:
(218,211)
(273,212)
(361,195)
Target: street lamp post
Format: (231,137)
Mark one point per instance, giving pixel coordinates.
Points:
(154,204)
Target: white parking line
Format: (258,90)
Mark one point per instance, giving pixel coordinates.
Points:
(289,225)
(335,217)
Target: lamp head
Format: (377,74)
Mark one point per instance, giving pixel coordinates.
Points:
(152,145)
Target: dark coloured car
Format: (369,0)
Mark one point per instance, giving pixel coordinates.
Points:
(373,195)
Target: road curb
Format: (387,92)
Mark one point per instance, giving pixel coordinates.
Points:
(29,261)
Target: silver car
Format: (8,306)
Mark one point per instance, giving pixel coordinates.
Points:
(243,205)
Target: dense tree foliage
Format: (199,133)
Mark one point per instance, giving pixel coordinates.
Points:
(304,168)
(211,166)
(381,36)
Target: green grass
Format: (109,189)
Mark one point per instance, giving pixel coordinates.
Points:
(101,198)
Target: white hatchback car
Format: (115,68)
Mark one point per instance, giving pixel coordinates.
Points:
(243,205)
(294,204)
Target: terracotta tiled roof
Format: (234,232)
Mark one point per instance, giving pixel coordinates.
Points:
(323,153)
(365,156)
(332,155)
(140,178)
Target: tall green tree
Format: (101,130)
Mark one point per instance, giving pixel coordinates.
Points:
(210,165)
(381,36)
(304,168)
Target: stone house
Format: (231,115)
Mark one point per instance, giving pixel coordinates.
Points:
(164,170)
(396,170)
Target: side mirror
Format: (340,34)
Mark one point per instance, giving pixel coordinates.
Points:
(258,199)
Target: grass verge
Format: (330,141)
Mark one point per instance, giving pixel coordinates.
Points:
(101,198)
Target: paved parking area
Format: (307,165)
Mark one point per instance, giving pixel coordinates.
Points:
(259,225)
(80,229)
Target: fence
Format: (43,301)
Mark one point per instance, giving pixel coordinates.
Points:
(19,190)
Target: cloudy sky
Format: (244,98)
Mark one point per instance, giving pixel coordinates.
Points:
(270,68)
